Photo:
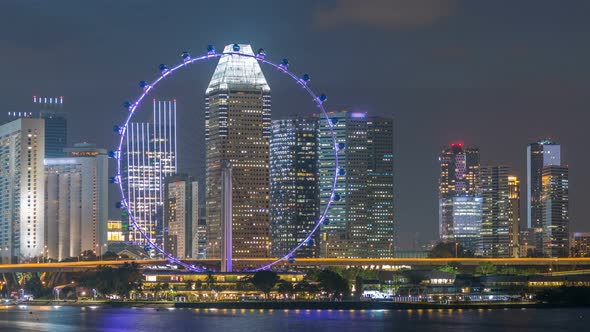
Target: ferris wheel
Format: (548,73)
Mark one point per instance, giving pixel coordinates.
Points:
(166,72)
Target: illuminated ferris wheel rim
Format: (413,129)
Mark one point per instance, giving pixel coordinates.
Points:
(212,54)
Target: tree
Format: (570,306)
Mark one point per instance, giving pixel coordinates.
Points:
(449,250)
(35,287)
(333,283)
(485,268)
(264,281)
(285,288)
(448,269)
(306,287)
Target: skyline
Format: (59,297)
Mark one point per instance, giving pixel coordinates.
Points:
(431,73)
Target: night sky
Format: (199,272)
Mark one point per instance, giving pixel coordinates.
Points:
(493,74)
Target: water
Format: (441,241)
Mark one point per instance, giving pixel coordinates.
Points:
(62,319)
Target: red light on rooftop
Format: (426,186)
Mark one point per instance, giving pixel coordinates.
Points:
(452,144)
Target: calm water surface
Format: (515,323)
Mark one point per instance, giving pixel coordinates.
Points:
(49,318)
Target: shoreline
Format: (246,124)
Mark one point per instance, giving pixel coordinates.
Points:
(299,305)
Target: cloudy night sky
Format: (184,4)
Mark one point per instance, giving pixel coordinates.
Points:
(493,74)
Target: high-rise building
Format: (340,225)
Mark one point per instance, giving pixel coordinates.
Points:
(581,244)
(76,206)
(345,234)
(294,185)
(499,224)
(467,222)
(115,231)
(514,216)
(238,130)
(22,190)
(540,154)
(380,194)
(555,211)
(56,125)
(459,177)
(200,244)
(149,156)
(181,209)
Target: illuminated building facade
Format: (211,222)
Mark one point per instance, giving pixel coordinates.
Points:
(555,211)
(22,190)
(514,215)
(181,214)
(56,125)
(459,177)
(500,220)
(115,232)
(380,194)
(467,222)
(539,154)
(345,235)
(149,156)
(238,130)
(294,185)
(581,244)
(76,206)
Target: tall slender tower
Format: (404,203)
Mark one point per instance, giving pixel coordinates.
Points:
(555,211)
(22,190)
(459,177)
(56,125)
(540,154)
(380,194)
(496,226)
(238,129)
(294,184)
(150,156)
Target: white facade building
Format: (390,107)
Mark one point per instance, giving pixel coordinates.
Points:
(22,191)
(76,210)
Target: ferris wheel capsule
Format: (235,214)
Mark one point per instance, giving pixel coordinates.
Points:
(261,53)
(210,49)
(305,78)
(185,56)
(143,84)
(127,104)
(291,260)
(336,197)
(163,68)
(326,221)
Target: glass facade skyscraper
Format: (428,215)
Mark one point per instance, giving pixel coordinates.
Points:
(238,130)
(459,177)
(149,156)
(555,211)
(539,154)
(467,222)
(181,214)
(56,125)
(294,185)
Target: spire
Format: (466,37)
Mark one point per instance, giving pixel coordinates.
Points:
(237,72)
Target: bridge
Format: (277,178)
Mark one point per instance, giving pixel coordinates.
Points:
(551,264)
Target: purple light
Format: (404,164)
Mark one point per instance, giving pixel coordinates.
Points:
(358,115)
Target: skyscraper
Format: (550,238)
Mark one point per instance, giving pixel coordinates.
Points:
(467,222)
(345,235)
(22,188)
(149,156)
(56,125)
(499,224)
(459,177)
(76,207)
(555,211)
(181,214)
(380,194)
(294,185)
(514,215)
(540,154)
(238,130)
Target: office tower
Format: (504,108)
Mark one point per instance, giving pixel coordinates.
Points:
(56,125)
(238,130)
(459,177)
(294,186)
(22,190)
(345,235)
(76,206)
(555,211)
(514,216)
(467,222)
(149,156)
(498,224)
(200,244)
(380,207)
(180,215)
(540,154)
(581,244)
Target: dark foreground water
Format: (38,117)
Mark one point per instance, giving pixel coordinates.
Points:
(49,318)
